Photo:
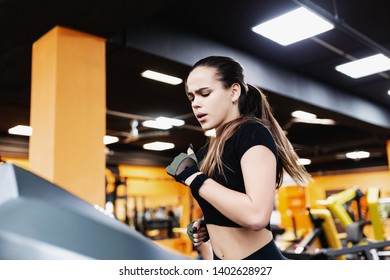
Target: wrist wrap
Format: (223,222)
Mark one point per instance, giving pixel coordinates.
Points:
(181,177)
(198,181)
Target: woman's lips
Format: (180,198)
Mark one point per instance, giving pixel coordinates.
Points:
(201,117)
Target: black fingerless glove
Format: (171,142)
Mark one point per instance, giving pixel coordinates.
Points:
(191,230)
(183,166)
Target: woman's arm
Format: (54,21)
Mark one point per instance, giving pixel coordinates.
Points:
(251,209)
(206,251)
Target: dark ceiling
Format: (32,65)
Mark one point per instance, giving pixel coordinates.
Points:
(169,36)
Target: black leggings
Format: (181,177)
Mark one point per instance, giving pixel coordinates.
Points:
(268,252)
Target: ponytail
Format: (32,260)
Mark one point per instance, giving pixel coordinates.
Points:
(287,157)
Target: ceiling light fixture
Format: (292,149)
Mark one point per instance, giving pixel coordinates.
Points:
(210,133)
(316,121)
(303,115)
(23,130)
(156,124)
(357,155)
(170,121)
(161,77)
(304,161)
(293,26)
(158,146)
(365,66)
(108,139)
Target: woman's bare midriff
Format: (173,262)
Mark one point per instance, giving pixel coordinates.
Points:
(230,243)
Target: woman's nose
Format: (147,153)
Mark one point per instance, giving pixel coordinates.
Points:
(195,103)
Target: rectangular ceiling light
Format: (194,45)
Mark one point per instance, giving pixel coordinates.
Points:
(157,124)
(304,161)
(293,26)
(210,133)
(23,130)
(357,155)
(303,115)
(158,146)
(108,139)
(170,121)
(365,66)
(161,77)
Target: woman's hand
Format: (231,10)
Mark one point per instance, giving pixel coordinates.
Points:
(197,232)
(184,167)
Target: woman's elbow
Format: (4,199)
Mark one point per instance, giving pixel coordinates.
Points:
(257,223)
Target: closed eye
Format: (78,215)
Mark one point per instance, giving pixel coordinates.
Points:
(204,92)
(190,97)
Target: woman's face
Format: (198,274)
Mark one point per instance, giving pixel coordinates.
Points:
(211,103)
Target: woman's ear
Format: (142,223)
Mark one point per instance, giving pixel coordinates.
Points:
(235,92)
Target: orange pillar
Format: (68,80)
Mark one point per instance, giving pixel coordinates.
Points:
(68,109)
(388,153)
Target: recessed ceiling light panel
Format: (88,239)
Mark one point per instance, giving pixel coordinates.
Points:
(304,161)
(357,155)
(293,26)
(108,139)
(365,66)
(157,124)
(158,146)
(23,130)
(210,133)
(161,77)
(303,115)
(170,121)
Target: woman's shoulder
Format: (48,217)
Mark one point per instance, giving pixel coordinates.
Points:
(252,126)
(253,133)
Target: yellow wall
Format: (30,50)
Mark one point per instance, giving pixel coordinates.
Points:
(291,203)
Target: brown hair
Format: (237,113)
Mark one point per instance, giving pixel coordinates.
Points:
(253,106)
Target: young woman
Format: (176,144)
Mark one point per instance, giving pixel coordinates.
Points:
(235,175)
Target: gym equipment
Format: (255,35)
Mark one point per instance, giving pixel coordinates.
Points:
(324,230)
(39,220)
(375,216)
(337,203)
(330,246)
(354,228)
(373,202)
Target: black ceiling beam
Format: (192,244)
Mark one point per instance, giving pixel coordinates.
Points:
(186,48)
(343,26)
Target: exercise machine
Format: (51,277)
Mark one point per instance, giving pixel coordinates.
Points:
(324,233)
